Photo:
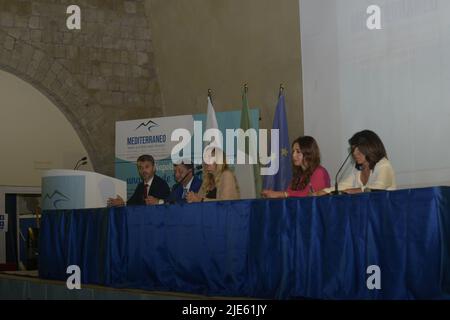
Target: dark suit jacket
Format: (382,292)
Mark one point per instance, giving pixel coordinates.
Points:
(158,189)
(177,190)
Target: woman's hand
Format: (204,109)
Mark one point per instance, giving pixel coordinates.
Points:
(273,194)
(193,197)
(353,191)
(319,193)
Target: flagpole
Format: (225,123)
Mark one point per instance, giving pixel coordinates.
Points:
(210,95)
(280,92)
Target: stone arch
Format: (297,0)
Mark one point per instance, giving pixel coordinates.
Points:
(51,78)
(95,76)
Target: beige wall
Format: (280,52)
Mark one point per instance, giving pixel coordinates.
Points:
(222,44)
(35,135)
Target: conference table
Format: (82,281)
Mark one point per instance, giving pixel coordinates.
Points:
(375,245)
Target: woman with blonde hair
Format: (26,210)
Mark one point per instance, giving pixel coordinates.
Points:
(219,182)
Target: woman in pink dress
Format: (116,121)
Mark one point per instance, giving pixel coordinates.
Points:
(308,176)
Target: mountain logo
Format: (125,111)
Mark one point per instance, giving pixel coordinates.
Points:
(149,125)
(56,197)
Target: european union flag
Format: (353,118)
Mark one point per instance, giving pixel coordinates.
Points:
(281,180)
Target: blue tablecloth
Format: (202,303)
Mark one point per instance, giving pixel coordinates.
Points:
(318,247)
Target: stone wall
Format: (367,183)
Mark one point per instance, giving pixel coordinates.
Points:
(97,75)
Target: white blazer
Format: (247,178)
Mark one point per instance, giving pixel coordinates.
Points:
(382,177)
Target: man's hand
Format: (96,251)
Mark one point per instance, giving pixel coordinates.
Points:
(115,202)
(151,200)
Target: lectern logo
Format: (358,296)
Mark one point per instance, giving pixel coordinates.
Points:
(149,125)
(56,197)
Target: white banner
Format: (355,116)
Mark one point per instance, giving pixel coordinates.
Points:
(152,136)
(148,136)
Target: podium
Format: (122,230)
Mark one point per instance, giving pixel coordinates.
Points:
(74,189)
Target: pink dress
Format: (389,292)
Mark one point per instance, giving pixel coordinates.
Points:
(319,180)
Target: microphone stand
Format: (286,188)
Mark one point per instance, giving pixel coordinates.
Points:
(81,164)
(336,185)
(78,162)
(76,166)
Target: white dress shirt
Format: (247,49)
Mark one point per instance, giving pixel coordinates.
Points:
(188,186)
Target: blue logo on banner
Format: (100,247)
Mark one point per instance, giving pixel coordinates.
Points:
(149,125)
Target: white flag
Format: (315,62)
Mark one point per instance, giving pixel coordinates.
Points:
(211,123)
(211,120)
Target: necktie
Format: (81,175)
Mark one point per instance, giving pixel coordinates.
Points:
(145,191)
(185,191)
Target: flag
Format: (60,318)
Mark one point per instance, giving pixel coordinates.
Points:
(211,123)
(252,169)
(280,181)
(211,120)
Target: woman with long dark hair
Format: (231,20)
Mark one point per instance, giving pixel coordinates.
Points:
(308,176)
(372,171)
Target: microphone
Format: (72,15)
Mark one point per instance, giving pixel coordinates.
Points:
(82,164)
(336,185)
(176,185)
(184,177)
(78,162)
(198,170)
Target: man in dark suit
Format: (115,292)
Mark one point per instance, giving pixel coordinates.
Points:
(152,189)
(186,182)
